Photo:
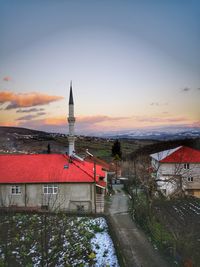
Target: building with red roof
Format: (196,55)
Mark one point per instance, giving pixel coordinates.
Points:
(53,181)
(49,180)
(177,170)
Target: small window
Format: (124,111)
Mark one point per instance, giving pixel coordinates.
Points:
(50,189)
(190,179)
(15,190)
(186,166)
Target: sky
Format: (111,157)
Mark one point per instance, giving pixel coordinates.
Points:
(133,64)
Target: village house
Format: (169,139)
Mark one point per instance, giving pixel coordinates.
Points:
(177,171)
(50,181)
(53,181)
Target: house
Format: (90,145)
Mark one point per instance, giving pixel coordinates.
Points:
(53,181)
(108,168)
(177,170)
(50,181)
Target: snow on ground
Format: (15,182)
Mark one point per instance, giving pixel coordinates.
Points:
(78,241)
(103,246)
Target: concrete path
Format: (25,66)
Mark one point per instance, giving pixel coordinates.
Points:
(136,250)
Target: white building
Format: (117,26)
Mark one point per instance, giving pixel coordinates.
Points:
(177,170)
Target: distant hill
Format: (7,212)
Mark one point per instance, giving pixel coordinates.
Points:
(22,140)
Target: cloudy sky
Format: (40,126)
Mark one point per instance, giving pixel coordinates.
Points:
(134,64)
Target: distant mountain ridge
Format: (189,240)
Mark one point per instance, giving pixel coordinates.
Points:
(157,134)
(161,134)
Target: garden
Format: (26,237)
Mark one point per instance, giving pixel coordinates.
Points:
(55,240)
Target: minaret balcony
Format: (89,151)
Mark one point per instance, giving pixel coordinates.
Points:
(71,119)
(71,138)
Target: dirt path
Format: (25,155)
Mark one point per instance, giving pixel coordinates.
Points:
(136,250)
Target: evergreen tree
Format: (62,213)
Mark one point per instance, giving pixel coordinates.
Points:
(116,150)
(48,149)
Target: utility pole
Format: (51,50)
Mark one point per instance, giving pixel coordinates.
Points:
(95,181)
(95,197)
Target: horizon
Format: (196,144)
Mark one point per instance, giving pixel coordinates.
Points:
(134,65)
(130,133)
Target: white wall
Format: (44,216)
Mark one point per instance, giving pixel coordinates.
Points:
(172,171)
(68,198)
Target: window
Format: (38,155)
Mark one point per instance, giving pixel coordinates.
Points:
(186,166)
(50,189)
(190,179)
(15,190)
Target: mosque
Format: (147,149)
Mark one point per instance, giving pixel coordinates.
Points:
(53,181)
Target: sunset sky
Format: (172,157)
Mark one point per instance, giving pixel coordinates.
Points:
(133,64)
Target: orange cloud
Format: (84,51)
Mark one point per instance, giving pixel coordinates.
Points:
(26,99)
(10,124)
(120,122)
(6,96)
(82,120)
(55,121)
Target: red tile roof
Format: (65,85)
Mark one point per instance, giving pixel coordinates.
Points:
(184,155)
(47,168)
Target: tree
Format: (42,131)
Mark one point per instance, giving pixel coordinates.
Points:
(129,171)
(139,176)
(48,149)
(116,150)
(174,178)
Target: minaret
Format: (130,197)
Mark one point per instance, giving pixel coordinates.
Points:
(71,121)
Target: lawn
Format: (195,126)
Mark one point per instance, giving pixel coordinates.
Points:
(55,240)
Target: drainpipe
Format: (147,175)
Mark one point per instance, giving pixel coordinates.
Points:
(25,195)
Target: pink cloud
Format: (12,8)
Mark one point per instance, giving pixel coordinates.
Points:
(7,79)
(31,116)
(99,119)
(102,123)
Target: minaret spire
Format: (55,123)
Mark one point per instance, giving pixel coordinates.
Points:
(71,122)
(71,100)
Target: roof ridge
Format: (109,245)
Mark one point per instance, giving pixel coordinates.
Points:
(161,155)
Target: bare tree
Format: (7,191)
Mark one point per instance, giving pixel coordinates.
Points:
(174,176)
